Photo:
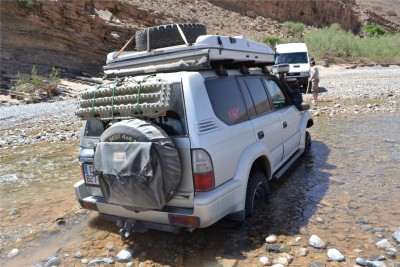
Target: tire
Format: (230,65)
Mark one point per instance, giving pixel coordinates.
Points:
(168,35)
(256,193)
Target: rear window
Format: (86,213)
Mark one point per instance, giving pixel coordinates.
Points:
(226,100)
(174,121)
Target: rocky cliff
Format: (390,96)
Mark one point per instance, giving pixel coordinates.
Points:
(75,36)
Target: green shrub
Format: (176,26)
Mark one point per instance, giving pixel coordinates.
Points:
(271,40)
(371,30)
(333,42)
(295,27)
(34,85)
(27,4)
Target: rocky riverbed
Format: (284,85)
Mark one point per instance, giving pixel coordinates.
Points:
(303,224)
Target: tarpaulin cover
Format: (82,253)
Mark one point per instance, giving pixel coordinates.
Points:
(132,174)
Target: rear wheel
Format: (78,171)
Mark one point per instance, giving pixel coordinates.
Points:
(257,192)
(307,142)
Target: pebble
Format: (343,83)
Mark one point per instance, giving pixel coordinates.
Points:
(124,255)
(317,242)
(14,211)
(377,258)
(378,264)
(12,253)
(271,239)
(303,252)
(78,255)
(317,264)
(100,261)
(265,261)
(335,255)
(391,254)
(84,261)
(383,244)
(396,235)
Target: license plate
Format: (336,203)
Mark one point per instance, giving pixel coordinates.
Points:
(291,79)
(90,177)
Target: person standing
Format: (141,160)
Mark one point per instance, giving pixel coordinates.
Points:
(314,79)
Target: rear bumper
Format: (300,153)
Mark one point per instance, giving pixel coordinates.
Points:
(209,207)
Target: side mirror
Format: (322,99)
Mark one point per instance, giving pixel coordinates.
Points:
(303,107)
(297,97)
(280,69)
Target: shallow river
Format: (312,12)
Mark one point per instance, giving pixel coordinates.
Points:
(346,191)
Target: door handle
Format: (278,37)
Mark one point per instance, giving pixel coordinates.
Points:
(284,124)
(260,135)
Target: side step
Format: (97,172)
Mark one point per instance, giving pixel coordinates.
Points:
(287,165)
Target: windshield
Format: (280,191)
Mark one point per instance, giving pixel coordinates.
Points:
(300,57)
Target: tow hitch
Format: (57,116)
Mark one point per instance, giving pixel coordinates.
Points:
(126,228)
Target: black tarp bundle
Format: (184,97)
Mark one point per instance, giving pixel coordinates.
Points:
(132,174)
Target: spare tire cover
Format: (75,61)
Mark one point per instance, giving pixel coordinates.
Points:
(168,35)
(139,165)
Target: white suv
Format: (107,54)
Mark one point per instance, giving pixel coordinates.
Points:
(233,134)
(207,154)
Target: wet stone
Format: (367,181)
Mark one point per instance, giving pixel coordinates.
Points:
(53,261)
(273,248)
(361,261)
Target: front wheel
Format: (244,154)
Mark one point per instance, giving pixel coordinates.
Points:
(257,192)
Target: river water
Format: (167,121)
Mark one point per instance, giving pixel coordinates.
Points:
(346,190)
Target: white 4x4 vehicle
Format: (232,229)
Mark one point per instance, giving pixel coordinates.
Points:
(183,149)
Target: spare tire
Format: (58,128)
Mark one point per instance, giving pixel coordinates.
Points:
(168,35)
(161,163)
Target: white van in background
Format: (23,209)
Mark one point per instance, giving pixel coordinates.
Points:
(296,55)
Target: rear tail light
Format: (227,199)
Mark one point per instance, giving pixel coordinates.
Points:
(203,171)
(189,221)
(88,205)
(82,173)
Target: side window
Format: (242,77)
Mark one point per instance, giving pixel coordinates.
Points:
(278,98)
(226,100)
(174,121)
(258,95)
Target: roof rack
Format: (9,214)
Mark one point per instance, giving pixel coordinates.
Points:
(208,52)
